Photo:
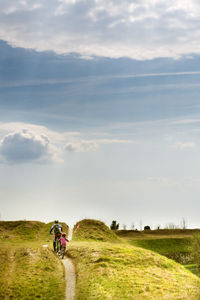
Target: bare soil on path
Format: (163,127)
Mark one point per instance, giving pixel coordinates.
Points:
(70,279)
(70,274)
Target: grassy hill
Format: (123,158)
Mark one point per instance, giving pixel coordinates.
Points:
(28,270)
(26,230)
(94,230)
(115,269)
(118,271)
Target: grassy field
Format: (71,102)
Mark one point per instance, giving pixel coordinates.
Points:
(28,270)
(174,244)
(108,266)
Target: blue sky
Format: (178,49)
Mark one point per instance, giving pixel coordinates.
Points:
(99,111)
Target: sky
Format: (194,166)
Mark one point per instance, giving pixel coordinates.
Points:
(100,111)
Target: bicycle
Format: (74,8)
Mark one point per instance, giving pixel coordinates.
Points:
(57,244)
(62,252)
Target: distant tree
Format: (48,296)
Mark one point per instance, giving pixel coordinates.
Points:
(124,227)
(114,225)
(132,226)
(183,224)
(141,225)
(171,225)
(147,227)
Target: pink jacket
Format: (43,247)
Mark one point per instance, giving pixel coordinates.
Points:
(63,241)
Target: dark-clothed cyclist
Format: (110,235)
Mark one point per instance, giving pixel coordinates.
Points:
(57,229)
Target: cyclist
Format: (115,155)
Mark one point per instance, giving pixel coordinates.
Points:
(63,240)
(57,228)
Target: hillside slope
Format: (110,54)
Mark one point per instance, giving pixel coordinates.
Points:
(118,271)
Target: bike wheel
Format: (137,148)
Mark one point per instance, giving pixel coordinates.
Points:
(63,252)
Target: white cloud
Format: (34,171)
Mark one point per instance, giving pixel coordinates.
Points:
(81,146)
(116,141)
(43,143)
(55,136)
(137,29)
(93,145)
(186,121)
(183,146)
(26,146)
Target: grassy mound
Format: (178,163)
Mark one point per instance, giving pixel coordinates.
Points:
(47,227)
(93,230)
(26,230)
(119,271)
(20,229)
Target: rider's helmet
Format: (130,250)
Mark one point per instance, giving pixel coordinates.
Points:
(56,221)
(63,234)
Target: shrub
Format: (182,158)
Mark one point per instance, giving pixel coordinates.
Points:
(147,227)
(114,225)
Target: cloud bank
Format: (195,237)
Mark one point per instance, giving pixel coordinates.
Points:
(25,143)
(137,29)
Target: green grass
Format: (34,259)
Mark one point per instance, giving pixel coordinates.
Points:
(178,249)
(175,244)
(119,271)
(193,268)
(29,271)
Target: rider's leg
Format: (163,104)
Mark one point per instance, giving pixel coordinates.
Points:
(54,244)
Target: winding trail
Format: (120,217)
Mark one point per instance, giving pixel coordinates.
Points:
(70,274)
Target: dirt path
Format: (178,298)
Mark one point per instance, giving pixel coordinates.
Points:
(70,274)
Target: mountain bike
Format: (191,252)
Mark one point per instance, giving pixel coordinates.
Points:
(56,244)
(62,252)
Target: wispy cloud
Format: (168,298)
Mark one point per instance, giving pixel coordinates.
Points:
(93,145)
(183,146)
(185,121)
(81,146)
(96,79)
(181,182)
(137,29)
